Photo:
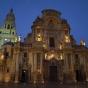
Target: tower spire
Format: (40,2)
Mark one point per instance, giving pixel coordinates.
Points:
(10,20)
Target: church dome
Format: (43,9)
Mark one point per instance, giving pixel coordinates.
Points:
(51,12)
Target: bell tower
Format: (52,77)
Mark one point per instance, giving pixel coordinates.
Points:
(8,30)
(10,20)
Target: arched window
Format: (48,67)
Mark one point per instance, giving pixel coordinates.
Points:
(13,33)
(25,54)
(0,32)
(77,60)
(8,27)
(51,42)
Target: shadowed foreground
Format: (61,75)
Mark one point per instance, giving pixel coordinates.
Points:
(47,85)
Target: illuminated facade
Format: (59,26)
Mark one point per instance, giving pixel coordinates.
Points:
(8,30)
(49,53)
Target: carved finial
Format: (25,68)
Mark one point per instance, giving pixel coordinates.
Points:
(11,10)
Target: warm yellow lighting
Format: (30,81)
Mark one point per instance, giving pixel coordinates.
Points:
(60,46)
(39,37)
(67,39)
(38,27)
(2,57)
(61,56)
(45,55)
(44,46)
(49,56)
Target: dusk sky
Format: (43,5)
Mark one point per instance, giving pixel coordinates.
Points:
(75,11)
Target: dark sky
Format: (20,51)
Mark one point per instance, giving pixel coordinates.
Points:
(75,11)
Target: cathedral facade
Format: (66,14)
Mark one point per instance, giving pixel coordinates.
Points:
(48,54)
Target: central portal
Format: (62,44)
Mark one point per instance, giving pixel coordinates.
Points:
(53,73)
(24,76)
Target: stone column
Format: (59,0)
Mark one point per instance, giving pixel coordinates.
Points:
(34,68)
(17,67)
(85,66)
(72,68)
(1,76)
(41,67)
(65,63)
(86,70)
(29,66)
(65,67)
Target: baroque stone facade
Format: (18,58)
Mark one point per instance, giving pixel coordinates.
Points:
(49,53)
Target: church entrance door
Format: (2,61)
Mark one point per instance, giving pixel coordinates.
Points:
(53,73)
(24,76)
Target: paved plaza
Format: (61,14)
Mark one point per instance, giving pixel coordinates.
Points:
(47,85)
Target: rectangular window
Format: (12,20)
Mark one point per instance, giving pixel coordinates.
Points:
(77,60)
(6,54)
(25,54)
(0,32)
(51,42)
(24,57)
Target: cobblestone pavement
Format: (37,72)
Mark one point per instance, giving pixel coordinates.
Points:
(47,85)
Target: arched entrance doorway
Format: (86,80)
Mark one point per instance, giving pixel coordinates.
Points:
(80,75)
(53,73)
(24,75)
